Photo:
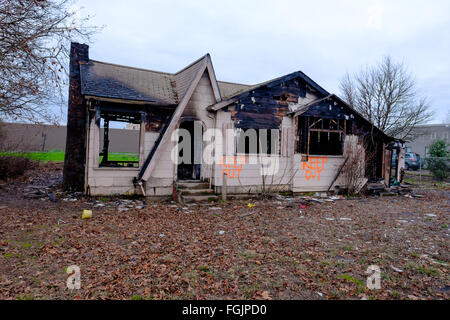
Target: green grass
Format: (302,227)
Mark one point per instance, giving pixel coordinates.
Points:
(431,272)
(58,156)
(50,156)
(349,278)
(130,156)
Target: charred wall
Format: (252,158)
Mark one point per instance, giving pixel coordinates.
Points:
(371,138)
(265,107)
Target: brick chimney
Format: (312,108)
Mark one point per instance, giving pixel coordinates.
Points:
(75,158)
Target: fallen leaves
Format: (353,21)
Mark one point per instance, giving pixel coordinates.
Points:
(231,251)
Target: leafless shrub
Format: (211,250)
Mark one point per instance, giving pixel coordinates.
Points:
(13,167)
(353,171)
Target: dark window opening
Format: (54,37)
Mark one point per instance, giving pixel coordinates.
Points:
(320,136)
(257,141)
(119,142)
(325,143)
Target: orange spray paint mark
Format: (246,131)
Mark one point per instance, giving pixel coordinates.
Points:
(314,167)
(232,165)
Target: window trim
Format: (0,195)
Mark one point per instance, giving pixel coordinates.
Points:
(98,151)
(310,128)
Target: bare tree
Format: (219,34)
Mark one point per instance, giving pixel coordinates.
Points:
(387,96)
(35,38)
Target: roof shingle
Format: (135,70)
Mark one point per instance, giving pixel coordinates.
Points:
(108,80)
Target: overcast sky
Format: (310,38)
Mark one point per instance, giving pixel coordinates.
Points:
(254,41)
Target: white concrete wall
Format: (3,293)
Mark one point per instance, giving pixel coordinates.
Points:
(247,175)
(307,179)
(106,181)
(202,97)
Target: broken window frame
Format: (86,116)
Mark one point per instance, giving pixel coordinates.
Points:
(118,115)
(308,125)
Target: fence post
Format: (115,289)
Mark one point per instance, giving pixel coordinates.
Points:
(420,170)
(224,186)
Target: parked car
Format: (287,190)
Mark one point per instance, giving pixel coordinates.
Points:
(412,161)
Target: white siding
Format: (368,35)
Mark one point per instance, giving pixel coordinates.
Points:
(106,181)
(304,182)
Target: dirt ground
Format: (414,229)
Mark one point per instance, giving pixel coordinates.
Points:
(278,249)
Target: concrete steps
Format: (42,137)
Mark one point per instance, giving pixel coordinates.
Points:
(192,184)
(195,191)
(191,198)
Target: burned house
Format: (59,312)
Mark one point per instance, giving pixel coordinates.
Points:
(288,132)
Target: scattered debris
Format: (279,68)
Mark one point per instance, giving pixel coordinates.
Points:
(51,197)
(339,257)
(376,187)
(87,214)
(388,194)
(396,269)
(246,214)
(133,246)
(445,289)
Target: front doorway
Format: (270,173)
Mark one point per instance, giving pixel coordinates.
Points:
(190,150)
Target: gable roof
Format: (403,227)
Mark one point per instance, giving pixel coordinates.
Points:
(107,80)
(165,134)
(185,76)
(290,76)
(335,98)
(243,89)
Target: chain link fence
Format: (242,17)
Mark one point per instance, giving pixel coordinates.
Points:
(429,168)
